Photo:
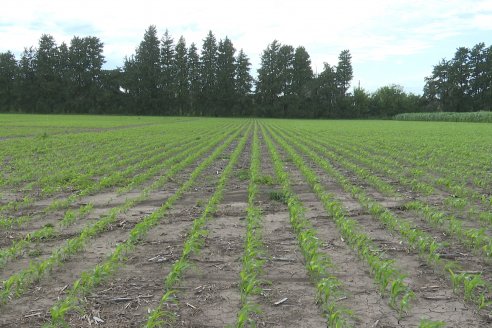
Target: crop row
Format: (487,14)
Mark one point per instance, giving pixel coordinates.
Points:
(474,238)
(388,277)
(117,177)
(252,263)
(425,182)
(31,171)
(70,217)
(454,168)
(196,238)
(17,283)
(474,287)
(318,264)
(81,177)
(90,279)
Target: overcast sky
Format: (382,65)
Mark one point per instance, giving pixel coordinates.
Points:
(391,41)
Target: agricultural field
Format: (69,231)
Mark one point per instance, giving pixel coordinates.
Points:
(201,222)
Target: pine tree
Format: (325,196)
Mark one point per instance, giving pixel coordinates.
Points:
(168,74)
(269,85)
(64,71)
(344,72)
(145,70)
(8,79)
(182,81)
(208,75)
(194,78)
(47,77)
(226,69)
(326,92)
(85,62)
(302,76)
(302,71)
(27,89)
(285,65)
(243,84)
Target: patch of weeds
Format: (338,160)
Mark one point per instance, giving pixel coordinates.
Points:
(265,180)
(35,253)
(243,174)
(278,196)
(200,203)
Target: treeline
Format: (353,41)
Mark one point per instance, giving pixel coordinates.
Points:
(168,77)
(462,84)
(58,79)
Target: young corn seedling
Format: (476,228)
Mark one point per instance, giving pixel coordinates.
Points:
(424,323)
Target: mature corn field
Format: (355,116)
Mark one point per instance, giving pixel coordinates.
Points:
(188,222)
(481,117)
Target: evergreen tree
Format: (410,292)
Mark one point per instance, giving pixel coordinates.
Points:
(243,84)
(269,85)
(85,60)
(344,75)
(168,74)
(64,71)
(182,82)
(194,78)
(344,72)
(302,76)
(208,75)
(8,79)
(302,72)
(226,69)
(131,86)
(46,74)
(145,70)
(285,65)
(27,89)
(111,99)
(325,93)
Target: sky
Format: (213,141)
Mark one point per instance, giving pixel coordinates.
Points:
(391,41)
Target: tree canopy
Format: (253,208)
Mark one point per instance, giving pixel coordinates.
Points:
(168,77)
(463,83)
